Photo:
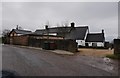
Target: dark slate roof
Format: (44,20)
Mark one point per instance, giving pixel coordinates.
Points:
(21,31)
(95,37)
(77,33)
(53,30)
(39,32)
(41,35)
(67,32)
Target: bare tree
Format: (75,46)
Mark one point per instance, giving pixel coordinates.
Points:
(5,32)
(66,23)
(57,24)
(48,24)
(62,24)
(19,28)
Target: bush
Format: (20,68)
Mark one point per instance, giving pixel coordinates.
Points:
(113,56)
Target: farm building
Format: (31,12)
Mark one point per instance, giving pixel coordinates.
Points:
(78,35)
(28,38)
(69,32)
(16,35)
(45,42)
(17,32)
(95,39)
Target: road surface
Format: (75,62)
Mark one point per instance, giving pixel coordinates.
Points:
(33,62)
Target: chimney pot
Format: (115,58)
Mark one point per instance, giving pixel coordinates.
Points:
(102,31)
(73,24)
(46,26)
(17,27)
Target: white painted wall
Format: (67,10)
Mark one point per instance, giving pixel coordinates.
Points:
(81,42)
(89,44)
(86,35)
(99,44)
(19,34)
(53,34)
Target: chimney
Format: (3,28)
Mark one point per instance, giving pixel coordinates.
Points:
(46,27)
(103,34)
(17,27)
(72,24)
(102,31)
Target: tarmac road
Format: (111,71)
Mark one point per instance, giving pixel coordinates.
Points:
(32,62)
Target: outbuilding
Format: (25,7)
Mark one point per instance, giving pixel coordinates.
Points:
(95,39)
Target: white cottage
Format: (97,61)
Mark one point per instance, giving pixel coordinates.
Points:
(95,39)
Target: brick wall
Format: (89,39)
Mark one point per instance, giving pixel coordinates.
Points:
(20,40)
(68,45)
(61,44)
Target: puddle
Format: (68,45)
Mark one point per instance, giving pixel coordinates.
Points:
(103,63)
(106,64)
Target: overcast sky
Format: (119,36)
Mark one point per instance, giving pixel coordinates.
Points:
(34,15)
(119,20)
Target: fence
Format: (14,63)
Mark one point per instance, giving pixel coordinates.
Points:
(61,44)
(68,45)
(116,46)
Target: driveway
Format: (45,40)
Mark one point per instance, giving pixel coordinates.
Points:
(34,62)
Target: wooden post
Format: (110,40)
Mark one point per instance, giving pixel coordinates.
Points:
(116,46)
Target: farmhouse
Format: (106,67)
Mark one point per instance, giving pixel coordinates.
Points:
(95,39)
(65,38)
(27,38)
(80,34)
(75,33)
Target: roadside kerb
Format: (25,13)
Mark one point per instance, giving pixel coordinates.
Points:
(60,52)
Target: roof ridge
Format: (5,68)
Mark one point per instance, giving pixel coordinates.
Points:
(94,33)
(23,30)
(64,27)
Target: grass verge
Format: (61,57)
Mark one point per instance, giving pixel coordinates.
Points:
(113,56)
